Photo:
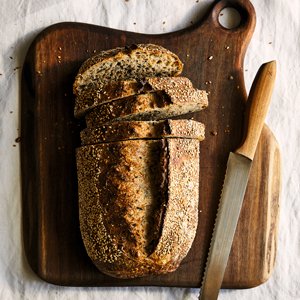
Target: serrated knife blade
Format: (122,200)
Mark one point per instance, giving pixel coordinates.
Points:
(235,182)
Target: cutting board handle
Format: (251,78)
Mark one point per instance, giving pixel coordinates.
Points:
(243,7)
(234,42)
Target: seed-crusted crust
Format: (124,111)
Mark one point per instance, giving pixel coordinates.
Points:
(135,61)
(115,90)
(181,217)
(148,107)
(138,204)
(90,98)
(132,130)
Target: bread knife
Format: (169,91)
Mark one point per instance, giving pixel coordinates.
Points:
(235,182)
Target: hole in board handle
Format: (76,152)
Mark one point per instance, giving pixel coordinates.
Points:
(229,18)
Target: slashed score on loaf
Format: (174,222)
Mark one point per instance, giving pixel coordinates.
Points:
(138,170)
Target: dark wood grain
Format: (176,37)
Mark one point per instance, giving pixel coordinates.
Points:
(50,135)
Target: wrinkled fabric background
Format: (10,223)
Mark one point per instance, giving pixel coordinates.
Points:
(276,37)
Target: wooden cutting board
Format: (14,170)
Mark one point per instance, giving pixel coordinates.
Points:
(50,135)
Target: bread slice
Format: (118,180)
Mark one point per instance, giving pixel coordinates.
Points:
(136,61)
(148,107)
(132,130)
(138,203)
(115,90)
(90,98)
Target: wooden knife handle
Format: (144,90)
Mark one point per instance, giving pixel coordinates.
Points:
(257,107)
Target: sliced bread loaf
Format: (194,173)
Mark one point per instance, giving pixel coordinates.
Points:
(136,61)
(138,203)
(132,130)
(114,90)
(148,107)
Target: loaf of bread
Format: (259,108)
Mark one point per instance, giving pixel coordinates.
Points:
(90,98)
(135,61)
(138,203)
(132,130)
(138,170)
(147,107)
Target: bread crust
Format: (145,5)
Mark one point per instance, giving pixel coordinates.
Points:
(138,204)
(131,130)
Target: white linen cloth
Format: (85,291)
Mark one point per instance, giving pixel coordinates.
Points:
(276,37)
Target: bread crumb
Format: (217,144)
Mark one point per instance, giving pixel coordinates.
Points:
(59,48)
(208,82)
(227,47)
(210,57)
(230,77)
(214,132)
(227,130)
(14,145)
